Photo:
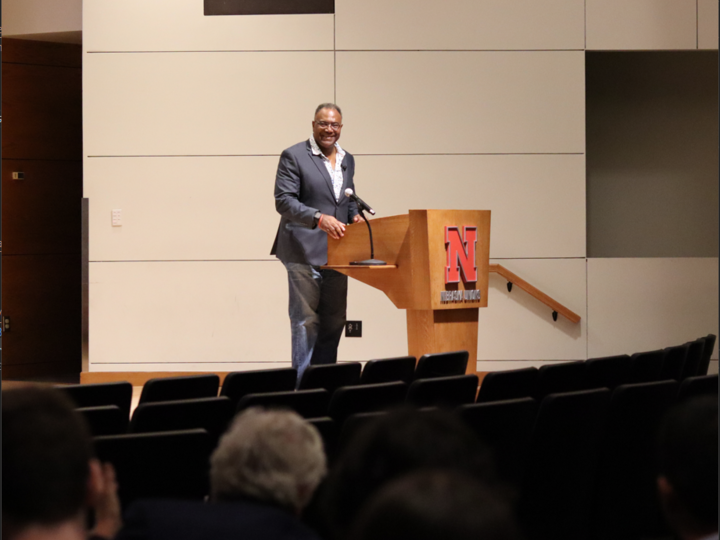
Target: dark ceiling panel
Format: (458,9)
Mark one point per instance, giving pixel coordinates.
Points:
(268,7)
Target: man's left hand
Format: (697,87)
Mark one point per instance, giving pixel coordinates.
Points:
(357,218)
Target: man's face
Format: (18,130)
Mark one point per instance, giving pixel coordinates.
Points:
(326,135)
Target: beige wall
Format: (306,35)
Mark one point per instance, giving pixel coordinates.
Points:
(480,104)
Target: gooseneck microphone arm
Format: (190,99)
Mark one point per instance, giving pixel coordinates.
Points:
(372,261)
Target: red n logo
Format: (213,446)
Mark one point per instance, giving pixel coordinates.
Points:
(460,254)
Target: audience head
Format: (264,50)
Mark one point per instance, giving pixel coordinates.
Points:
(268,455)
(688,467)
(435,505)
(396,444)
(46,454)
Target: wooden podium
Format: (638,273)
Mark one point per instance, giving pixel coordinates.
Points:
(441,316)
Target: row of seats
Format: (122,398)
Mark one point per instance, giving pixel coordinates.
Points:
(566,454)
(673,363)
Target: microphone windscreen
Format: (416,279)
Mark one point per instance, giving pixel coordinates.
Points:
(349,192)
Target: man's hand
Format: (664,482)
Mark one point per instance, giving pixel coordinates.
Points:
(357,218)
(332,226)
(104,499)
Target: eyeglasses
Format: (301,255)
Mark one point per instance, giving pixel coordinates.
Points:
(322,124)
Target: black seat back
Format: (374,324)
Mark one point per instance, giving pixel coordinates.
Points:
(350,400)
(448,392)
(505,426)
(563,452)
(645,366)
(105,420)
(385,370)
(445,364)
(674,362)
(693,360)
(210,414)
(95,395)
(307,403)
(560,378)
(176,388)
(173,464)
(698,386)
(330,376)
(240,383)
(606,372)
(707,354)
(626,503)
(329,432)
(510,384)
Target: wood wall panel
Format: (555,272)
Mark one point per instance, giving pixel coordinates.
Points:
(42,112)
(41,214)
(41,295)
(24,51)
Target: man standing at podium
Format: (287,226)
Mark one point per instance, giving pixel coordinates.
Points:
(309,195)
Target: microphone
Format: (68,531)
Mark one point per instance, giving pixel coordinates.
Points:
(362,204)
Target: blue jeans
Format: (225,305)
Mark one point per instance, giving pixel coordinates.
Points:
(317,308)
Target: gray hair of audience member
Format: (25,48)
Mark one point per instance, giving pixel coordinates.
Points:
(436,505)
(268,455)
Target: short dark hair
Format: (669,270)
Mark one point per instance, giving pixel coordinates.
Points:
(396,444)
(46,450)
(327,106)
(436,505)
(688,456)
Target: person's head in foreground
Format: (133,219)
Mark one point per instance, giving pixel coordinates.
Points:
(688,468)
(271,456)
(50,477)
(394,445)
(435,505)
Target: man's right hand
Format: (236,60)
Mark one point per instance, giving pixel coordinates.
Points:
(334,228)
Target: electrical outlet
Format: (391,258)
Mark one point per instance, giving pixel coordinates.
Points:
(117,217)
(353,329)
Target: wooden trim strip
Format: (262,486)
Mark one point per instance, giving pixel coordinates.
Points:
(532,291)
(139,378)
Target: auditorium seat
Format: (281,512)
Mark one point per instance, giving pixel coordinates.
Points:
(176,388)
(445,364)
(352,424)
(505,426)
(307,403)
(645,367)
(563,452)
(707,354)
(240,383)
(330,376)
(211,414)
(172,465)
(448,392)
(509,384)
(385,370)
(560,377)
(329,433)
(694,358)
(626,504)
(105,420)
(607,371)
(95,395)
(349,400)
(674,362)
(698,386)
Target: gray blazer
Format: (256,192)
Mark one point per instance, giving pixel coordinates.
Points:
(302,187)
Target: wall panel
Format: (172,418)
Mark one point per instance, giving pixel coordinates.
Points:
(641,24)
(188,313)
(459,24)
(708,14)
(537,202)
(202,103)
(182,208)
(645,304)
(516,326)
(159,25)
(462,102)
